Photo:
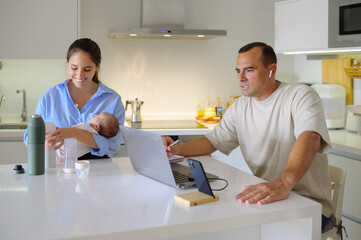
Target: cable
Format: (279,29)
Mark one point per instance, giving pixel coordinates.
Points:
(219,189)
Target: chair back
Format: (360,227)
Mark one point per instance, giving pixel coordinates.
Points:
(338,177)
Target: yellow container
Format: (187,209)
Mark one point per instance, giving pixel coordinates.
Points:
(210,112)
(200,114)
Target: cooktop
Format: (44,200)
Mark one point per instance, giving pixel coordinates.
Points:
(170,124)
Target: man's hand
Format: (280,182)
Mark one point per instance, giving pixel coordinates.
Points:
(264,193)
(171,150)
(301,157)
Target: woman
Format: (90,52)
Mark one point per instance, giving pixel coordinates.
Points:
(77,99)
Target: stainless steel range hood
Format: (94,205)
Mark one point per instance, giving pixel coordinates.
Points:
(164,19)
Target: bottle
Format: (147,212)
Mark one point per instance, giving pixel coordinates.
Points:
(36,139)
(50,154)
(200,110)
(70,155)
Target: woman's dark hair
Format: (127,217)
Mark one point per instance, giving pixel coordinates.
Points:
(268,54)
(90,47)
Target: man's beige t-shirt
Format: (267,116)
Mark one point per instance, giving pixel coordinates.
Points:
(266,131)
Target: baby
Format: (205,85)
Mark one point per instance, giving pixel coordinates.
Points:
(104,124)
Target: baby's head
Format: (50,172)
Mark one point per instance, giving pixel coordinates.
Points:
(105,124)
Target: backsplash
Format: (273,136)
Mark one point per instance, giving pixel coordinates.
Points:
(33,75)
(170,76)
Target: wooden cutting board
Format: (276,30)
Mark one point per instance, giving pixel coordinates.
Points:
(333,72)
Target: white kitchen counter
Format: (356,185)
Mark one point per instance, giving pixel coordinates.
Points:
(342,140)
(11,135)
(346,143)
(114,202)
(176,131)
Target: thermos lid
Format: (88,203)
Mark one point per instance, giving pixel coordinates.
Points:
(18,169)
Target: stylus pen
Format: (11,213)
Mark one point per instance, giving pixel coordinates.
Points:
(177,141)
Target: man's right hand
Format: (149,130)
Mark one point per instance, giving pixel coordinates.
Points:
(170,150)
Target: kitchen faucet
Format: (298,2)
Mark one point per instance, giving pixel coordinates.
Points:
(24,111)
(2,99)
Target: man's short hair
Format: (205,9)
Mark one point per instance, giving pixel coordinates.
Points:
(268,54)
(109,125)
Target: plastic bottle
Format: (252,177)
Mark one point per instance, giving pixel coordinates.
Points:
(50,153)
(36,139)
(70,155)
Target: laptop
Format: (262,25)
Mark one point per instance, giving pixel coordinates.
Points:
(149,158)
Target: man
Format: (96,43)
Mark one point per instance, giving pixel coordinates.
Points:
(280,129)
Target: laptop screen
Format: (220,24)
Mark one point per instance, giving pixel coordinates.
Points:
(147,154)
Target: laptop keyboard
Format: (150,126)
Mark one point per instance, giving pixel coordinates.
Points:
(180,178)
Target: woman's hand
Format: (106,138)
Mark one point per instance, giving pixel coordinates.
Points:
(56,138)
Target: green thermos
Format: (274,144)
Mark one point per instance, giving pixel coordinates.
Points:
(36,139)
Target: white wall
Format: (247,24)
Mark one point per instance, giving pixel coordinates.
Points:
(33,75)
(171,76)
(307,71)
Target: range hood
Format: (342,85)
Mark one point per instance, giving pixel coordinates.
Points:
(164,19)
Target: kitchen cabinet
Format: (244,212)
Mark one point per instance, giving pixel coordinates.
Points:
(351,203)
(12,147)
(13,152)
(301,25)
(37,29)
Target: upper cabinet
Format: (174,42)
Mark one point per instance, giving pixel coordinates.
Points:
(37,29)
(301,24)
(308,25)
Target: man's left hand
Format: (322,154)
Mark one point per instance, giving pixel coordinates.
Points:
(264,193)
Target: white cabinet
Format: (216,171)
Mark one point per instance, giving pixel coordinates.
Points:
(13,152)
(301,24)
(37,28)
(351,203)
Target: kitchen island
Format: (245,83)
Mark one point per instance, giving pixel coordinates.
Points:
(114,202)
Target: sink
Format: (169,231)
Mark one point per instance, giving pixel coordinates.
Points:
(13,125)
(12,122)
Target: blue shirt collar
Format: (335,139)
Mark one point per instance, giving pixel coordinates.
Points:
(101,89)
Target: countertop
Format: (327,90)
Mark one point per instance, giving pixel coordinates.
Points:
(341,140)
(186,127)
(114,202)
(11,135)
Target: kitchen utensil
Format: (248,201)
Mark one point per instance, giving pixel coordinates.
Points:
(36,139)
(136,119)
(82,168)
(210,112)
(353,120)
(50,154)
(333,101)
(70,155)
